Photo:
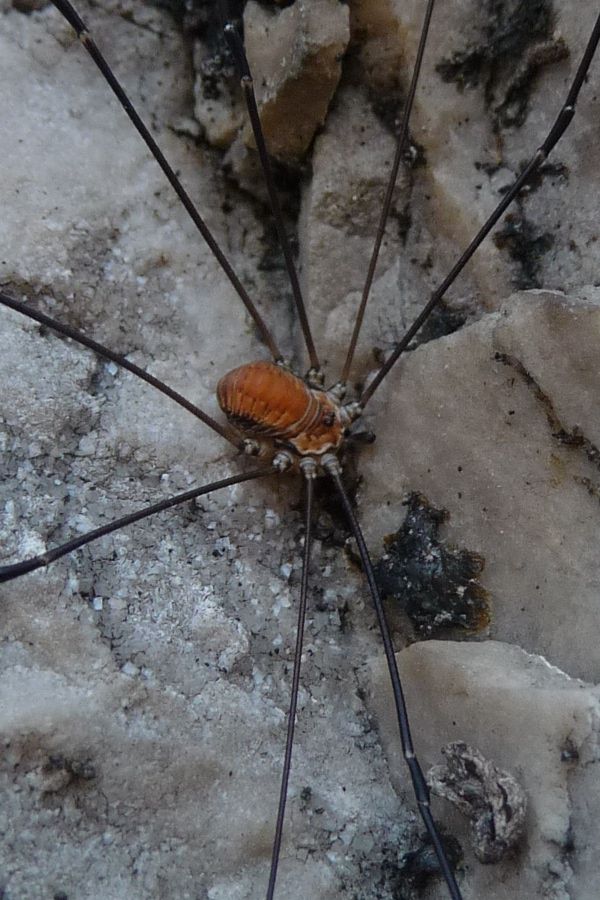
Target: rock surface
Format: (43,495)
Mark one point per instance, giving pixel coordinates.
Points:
(533,721)
(145,680)
(298,52)
(514,461)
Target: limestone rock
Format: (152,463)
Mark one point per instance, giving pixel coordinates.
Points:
(510,403)
(530,719)
(145,679)
(295,56)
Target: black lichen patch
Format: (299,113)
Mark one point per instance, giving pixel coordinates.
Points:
(73,769)
(526,246)
(418,866)
(205,18)
(442,321)
(393,874)
(557,172)
(216,69)
(516,42)
(434,584)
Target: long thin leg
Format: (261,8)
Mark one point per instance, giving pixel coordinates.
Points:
(121,361)
(387,203)
(7,573)
(289,745)
(237,48)
(420,788)
(561,124)
(73,18)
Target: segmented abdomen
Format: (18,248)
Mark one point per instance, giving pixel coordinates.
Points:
(265,400)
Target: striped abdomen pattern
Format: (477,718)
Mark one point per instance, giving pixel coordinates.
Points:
(265,400)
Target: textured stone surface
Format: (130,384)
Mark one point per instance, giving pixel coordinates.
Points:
(146,680)
(157,663)
(470,160)
(295,56)
(533,721)
(514,461)
(298,53)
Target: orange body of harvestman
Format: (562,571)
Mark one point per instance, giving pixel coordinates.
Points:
(267,401)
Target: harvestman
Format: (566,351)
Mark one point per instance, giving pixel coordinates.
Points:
(313,447)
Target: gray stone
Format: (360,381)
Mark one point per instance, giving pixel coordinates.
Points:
(509,401)
(528,718)
(295,56)
(146,660)
(145,679)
